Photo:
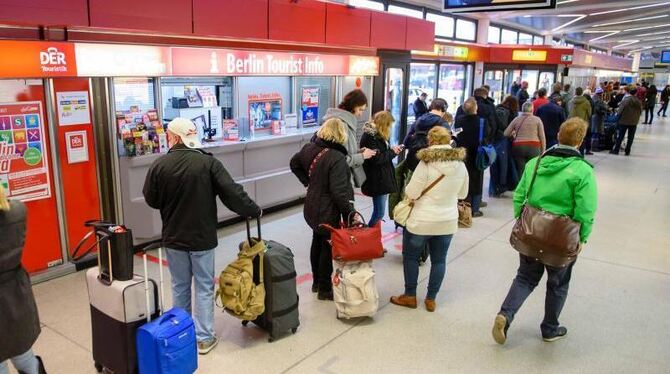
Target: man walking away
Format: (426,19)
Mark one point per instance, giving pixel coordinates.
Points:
(184,185)
(522,95)
(552,116)
(629,112)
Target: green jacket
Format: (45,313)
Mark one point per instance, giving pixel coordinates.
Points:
(581,107)
(565,185)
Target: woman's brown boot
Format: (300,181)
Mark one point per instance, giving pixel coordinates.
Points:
(404,300)
(430,305)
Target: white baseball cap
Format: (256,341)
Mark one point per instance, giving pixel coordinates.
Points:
(186,130)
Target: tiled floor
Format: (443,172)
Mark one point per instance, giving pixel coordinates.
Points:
(618,311)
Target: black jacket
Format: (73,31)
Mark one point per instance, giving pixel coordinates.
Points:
(522,96)
(650,100)
(417,140)
(330,195)
(505,117)
(19,321)
(486,110)
(665,95)
(184,185)
(379,171)
(552,116)
(469,139)
(420,108)
(616,100)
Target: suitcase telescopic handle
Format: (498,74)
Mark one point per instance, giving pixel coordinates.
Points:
(161,295)
(258,227)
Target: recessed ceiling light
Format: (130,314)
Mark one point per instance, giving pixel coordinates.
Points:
(648,27)
(627,9)
(579,18)
(630,20)
(604,36)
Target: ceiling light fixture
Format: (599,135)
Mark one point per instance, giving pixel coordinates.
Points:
(610,33)
(630,20)
(629,42)
(653,33)
(566,2)
(648,27)
(626,9)
(579,18)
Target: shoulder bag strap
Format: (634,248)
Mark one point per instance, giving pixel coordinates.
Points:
(316,159)
(481,130)
(532,181)
(430,186)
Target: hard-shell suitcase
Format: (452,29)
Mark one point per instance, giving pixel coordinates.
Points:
(118,309)
(354,289)
(281,296)
(166,345)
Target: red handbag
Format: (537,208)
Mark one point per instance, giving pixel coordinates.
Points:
(356,242)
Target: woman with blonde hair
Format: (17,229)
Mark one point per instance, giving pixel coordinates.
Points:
(322,167)
(380,174)
(20,324)
(438,182)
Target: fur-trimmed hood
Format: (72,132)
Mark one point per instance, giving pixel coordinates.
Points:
(369,128)
(443,158)
(439,153)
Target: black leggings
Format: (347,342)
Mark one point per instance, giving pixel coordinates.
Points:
(664,109)
(649,114)
(322,261)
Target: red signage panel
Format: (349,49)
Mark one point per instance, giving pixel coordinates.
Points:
(37,59)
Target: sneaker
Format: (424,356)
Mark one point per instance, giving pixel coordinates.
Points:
(206,346)
(500,327)
(483,204)
(560,334)
(477,214)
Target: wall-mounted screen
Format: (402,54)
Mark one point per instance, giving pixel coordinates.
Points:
(665,57)
(495,5)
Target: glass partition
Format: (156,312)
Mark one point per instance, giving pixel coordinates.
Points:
(452,86)
(422,79)
(393,99)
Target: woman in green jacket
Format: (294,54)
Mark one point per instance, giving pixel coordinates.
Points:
(565,185)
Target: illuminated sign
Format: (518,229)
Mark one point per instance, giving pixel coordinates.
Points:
(495,5)
(25,59)
(442,50)
(110,60)
(566,58)
(588,59)
(529,55)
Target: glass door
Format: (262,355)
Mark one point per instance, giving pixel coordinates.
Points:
(494,79)
(393,98)
(547,79)
(531,76)
(511,76)
(422,79)
(452,85)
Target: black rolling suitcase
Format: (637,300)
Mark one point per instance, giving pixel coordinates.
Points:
(281,296)
(118,309)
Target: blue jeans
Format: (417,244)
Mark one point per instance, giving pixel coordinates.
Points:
(475,201)
(413,245)
(378,209)
(528,276)
(25,363)
(198,265)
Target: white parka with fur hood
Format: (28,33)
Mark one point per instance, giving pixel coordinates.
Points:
(436,213)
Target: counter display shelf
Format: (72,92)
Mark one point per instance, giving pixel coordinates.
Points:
(261,166)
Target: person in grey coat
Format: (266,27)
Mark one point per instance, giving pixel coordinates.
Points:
(19,321)
(353,105)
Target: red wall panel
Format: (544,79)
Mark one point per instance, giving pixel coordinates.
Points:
(347,26)
(45,12)
(174,16)
(231,18)
(388,31)
(420,35)
(303,21)
(81,195)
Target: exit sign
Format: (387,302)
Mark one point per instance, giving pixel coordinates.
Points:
(566,58)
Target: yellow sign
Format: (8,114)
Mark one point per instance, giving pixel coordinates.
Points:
(588,59)
(529,55)
(446,51)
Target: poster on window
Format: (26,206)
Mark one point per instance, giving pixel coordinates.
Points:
(310,106)
(77,146)
(24,168)
(73,108)
(263,109)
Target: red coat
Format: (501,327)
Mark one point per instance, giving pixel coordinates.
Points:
(538,103)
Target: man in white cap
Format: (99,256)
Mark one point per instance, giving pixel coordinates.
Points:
(184,185)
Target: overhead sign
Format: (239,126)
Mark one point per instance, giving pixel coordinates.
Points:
(566,58)
(28,59)
(529,55)
(24,168)
(110,60)
(205,61)
(495,5)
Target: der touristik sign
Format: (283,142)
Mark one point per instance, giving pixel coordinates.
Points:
(27,59)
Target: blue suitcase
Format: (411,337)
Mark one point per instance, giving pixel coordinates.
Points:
(167,345)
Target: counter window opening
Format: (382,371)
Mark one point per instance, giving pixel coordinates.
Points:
(224,109)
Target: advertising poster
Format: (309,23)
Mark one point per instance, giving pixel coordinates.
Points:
(24,170)
(263,109)
(73,108)
(310,106)
(231,130)
(77,146)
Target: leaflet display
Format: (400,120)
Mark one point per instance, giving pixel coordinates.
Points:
(24,167)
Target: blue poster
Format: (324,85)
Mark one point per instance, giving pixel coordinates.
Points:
(310,106)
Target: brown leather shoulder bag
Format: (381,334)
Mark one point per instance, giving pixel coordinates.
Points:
(550,238)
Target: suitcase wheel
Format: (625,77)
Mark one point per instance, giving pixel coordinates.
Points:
(244,323)
(98,367)
(294,330)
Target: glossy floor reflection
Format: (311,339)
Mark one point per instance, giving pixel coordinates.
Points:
(618,311)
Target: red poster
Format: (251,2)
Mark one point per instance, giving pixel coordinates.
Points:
(24,167)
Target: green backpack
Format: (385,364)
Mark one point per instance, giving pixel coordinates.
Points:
(239,294)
